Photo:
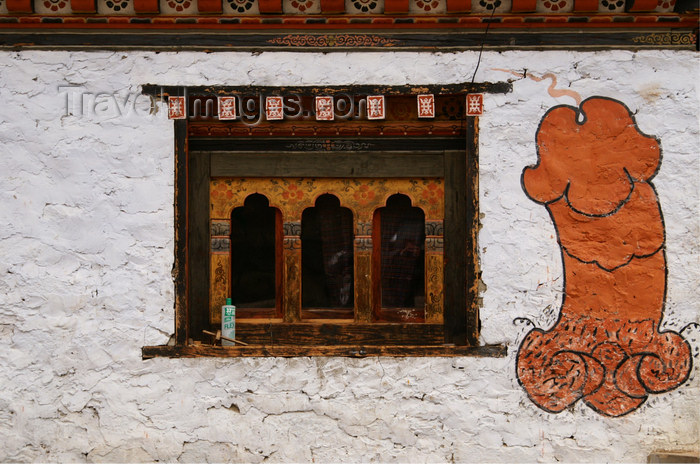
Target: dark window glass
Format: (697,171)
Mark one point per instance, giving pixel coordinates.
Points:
(402,254)
(327,255)
(253,275)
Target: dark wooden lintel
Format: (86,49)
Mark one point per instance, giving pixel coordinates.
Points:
(328,144)
(336,333)
(354,351)
(330,90)
(314,165)
(623,31)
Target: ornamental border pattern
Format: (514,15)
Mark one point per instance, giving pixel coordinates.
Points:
(334,40)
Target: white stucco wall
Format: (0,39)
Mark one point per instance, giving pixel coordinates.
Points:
(86,240)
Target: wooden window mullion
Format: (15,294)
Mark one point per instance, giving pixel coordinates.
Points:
(291,272)
(434,272)
(363,272)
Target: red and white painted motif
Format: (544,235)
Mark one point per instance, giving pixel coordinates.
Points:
(274,111)
(375,107)
(426,106)
(475,104)
(176,108)
(324,109)
(227,108)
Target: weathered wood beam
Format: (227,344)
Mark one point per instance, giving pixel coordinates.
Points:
(355,351)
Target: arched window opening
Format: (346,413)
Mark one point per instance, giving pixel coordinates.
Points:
(327,259)
(401,232)
(255,245)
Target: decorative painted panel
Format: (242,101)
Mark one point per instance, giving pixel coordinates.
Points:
(241,7)
(554,6)
(665,6)
(488,6)
(301,6)
(291,278)
(52,7)
(178,7)
(293,195)
(220,284)
(363,281)
(434,270)
(434,284)
(115,7)
(427,6)
(364,6)
(611,6)
(220,269)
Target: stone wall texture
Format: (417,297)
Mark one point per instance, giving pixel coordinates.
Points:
(86,239)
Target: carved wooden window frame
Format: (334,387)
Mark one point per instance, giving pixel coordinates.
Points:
(452,333)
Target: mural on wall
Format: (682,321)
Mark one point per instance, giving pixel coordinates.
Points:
(594,175)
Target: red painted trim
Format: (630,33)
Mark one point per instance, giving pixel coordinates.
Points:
(209,6)
(395,6)
(19,6)
(270,6)
(145,6)
(83,6)
(522,6)
(333,6)
(642,5)
(459,6)
(471,22)
(585,6)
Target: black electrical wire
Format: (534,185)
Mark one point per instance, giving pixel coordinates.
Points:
(483,40)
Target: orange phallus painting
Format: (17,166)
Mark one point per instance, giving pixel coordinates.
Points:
(607,348)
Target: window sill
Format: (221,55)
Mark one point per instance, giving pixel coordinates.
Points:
(353,351)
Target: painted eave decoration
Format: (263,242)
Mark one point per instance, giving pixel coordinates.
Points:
(347,24)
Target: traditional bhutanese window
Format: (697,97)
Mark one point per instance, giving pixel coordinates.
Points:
(401,253)
(329,229)
(327,265)
(254,234)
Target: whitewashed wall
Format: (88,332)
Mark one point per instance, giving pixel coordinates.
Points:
(86,247)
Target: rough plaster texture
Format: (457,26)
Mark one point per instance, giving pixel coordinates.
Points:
(87,250)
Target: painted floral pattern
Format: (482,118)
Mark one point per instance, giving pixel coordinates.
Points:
(301,6)
(293,194)
(665,6)
(117,5)
(363,6)
(491,6)
(555,6)
(179,5)
(364,195)
(611,6)
(243,6)
(433,193)
(55,6)
(427,6)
